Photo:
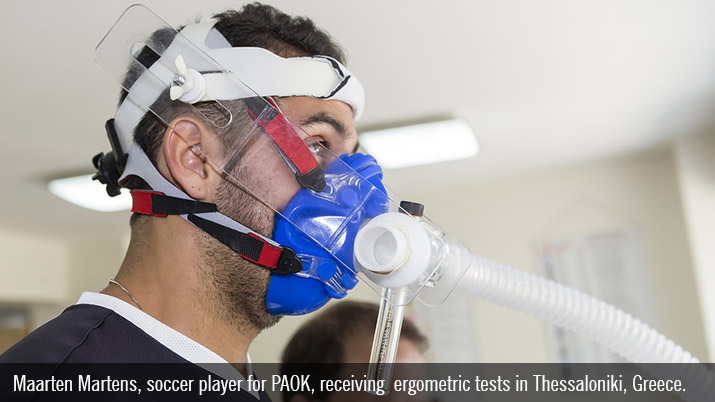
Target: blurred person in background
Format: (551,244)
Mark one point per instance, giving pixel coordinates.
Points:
(336,344)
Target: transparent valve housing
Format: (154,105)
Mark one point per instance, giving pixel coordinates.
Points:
(411,254)
(406,255)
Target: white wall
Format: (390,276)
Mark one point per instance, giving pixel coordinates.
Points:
(32,269)
(695,156)
(46,276)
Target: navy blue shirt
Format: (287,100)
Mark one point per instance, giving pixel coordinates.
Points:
(86,333)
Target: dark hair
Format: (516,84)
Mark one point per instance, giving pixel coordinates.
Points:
(254,25)
(263,26)
(319,345)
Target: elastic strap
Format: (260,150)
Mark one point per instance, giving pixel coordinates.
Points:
(281,260)
(158,204)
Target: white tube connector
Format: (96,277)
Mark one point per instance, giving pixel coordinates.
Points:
(393,250)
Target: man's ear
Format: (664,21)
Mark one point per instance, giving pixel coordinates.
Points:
(185,143)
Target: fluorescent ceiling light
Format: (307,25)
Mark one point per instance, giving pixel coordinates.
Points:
(421,144)
(88,193)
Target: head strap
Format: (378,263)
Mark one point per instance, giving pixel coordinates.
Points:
(245,72)
(255,248)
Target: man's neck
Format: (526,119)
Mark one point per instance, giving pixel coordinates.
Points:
(162,272)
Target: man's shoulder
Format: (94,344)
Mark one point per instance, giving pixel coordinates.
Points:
(54,341)
(86,333)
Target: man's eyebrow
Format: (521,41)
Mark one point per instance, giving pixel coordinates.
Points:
(328,119)
(339,127)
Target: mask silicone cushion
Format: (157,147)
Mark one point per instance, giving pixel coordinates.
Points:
(332,218)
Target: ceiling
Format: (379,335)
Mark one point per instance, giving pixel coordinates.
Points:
(543,84)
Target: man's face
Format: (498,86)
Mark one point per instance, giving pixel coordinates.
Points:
(263,172)
(242,285)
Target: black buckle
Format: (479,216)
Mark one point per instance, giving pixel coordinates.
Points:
(314,180)
(111,165)
(248,247)
(107,173)
(288,262)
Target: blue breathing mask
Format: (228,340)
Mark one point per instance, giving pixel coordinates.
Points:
(328,223)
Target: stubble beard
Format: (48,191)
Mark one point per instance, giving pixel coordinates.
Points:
(235,286)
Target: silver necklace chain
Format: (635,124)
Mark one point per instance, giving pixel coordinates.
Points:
(112,281)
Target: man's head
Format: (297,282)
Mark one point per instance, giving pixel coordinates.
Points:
(338,335)
(192,146)
(254,25)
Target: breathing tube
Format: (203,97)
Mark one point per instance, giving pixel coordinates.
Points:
(386,250)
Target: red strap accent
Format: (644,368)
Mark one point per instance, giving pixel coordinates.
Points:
(290,143)
(269,254)
(141,202)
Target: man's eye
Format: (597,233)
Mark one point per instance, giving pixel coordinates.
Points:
(315,146)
